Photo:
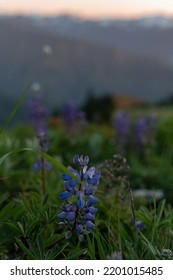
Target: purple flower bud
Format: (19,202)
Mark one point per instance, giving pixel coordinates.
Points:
(89,224)
(68,234)
(92,200)
(94,180)
(88,216)
(90,172)
(64,195)
(139,224)
(62,215)
(71,216)
(79,160)
(66,177)
(80,203)
(79,228)
(92,210)
(74,172)
(36,166)
(89,191)
(81,238)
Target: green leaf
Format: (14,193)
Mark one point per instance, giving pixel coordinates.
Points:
(10,211)
(45,199)
(41,247)
(76,253)
(5,156)
(149,245)
(91,247)
(59,165)
(15,227)
(32,226)
(21,228)
(33,248)
(52,254)
(14,110)
(48,157)
(100,245)
(30,255)
(4,197)
(54,239)
(161,210)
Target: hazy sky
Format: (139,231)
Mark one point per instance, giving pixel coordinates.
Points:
(89,8)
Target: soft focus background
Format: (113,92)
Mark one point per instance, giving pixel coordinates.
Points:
(74,49)
(100,76)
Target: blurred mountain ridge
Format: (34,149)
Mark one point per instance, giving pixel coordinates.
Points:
(107,55)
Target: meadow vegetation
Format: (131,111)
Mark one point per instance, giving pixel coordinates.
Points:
(115,201)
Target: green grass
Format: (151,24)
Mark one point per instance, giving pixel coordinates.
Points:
(29,226)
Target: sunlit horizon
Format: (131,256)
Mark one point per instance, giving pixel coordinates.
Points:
(89,9)
(86,16)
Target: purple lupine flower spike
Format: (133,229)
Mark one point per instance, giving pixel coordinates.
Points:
(39,116)
(144,132)
(71,116)
(122,123)
(80,214)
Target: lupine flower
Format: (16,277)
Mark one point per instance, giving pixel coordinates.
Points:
(122,123)
(144,130)
(139,224)
(114,171)
(38,116)
(140,133)
(39,120)
(79,214)
(72,116)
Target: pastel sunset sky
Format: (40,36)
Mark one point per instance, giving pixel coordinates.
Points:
(89,8)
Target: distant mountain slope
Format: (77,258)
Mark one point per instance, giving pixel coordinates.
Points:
(149,36)
(75,65)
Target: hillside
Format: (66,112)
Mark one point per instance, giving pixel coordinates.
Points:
(75,66)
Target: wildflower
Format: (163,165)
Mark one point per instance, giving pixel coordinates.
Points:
(140,133)
(79,214)
(114,171)
(38,116)
(144,129)
(39,119)
(122,123)
(71,116)
(139,224)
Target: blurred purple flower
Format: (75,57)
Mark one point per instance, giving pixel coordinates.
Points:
(139,224)
(38,114)
(122,124)
(71,116)
(144,130)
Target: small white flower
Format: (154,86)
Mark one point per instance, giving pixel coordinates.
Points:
(47,50)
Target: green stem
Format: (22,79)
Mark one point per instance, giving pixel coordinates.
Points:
(42,184)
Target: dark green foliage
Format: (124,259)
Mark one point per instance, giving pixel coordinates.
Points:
(99,109)
(29,228)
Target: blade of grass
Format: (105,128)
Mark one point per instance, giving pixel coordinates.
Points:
(48,157)
(14,110)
